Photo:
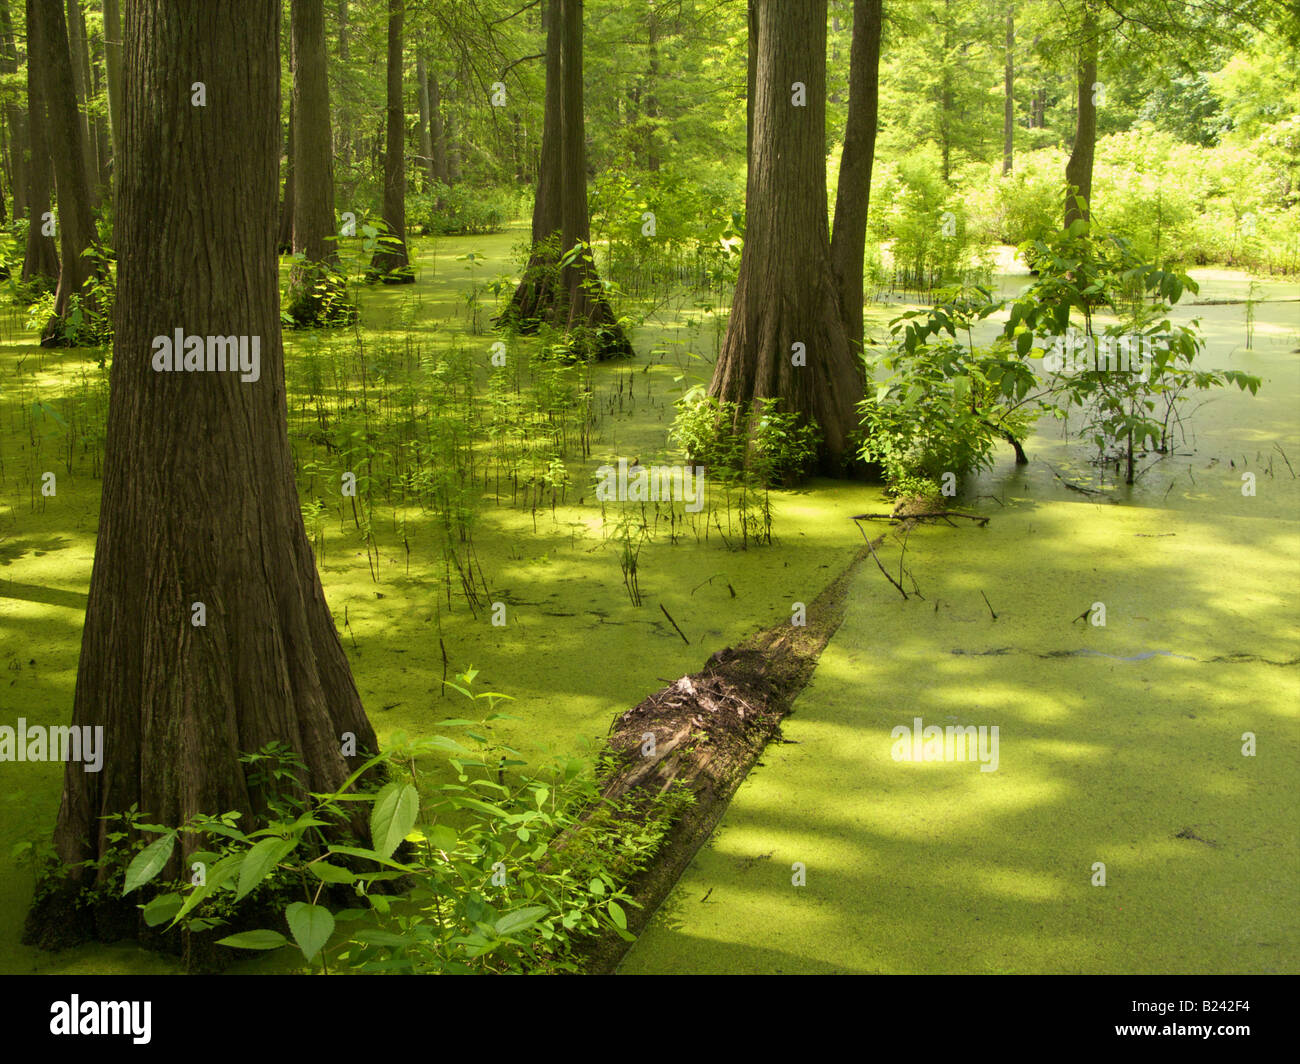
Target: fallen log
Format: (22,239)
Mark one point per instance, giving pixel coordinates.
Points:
(706,730)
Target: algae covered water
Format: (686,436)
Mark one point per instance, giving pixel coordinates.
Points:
(1143,814)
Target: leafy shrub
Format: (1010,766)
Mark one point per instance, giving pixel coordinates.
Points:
(463,209)
(766,445)
(496,874)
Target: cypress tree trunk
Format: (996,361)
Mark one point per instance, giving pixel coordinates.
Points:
(99,124)
(41,258)
(13,115)
(113,63)
(535,296)
(786,292)
(572,300)
(48,48)
(199,500)
(853,194)
(75,32)
(583,304)
(390,262)
(312,293)
(1078,170)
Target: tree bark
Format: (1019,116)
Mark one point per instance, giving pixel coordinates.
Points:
(13,115)
(1008,89)
(536,293)
(80,55)
(786,293)
(48,48)
(1078,170)
(41,258)
(390,262)
(853,195)
(709,729)
(583,304)
(313,168)
(99,123)
(199,500)
(113,62)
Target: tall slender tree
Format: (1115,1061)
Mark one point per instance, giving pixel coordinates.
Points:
(199,501)
(48,49)
(1078,169)
(575,301)
(41,259)
(391,263)
(853,193)
(786,341)
(312,299)
(13,115)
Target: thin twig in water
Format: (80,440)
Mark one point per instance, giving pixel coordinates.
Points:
(674,624)
(872,549)
(987,603)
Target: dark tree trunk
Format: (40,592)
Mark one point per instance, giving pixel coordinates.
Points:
(390,262)
(1008,90)
(199,500)
(853,194)
(535,296)
(13,115)
(48,48)
(100,124)
(284,233)
(1078,170)
(80,54)
(786,292)
(751,88)
(113,62)
(583,303)
(41,259)
(310,287)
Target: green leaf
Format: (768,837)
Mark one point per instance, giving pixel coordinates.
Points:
(370,855)
(393,816)
(217,875)
(617,914)
(260,860)
(328,873)
(311,925)
(520,919)
(374,936)
(597,887)
(441,837)
(255,940)
(149,862)
(162,909)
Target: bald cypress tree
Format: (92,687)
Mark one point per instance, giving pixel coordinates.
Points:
(199,502)
(787,345)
